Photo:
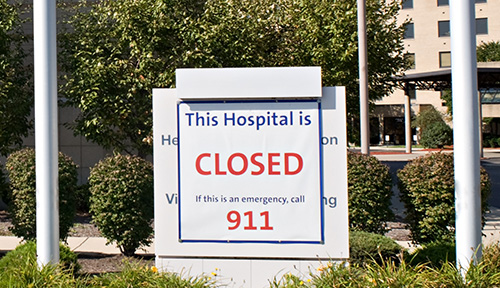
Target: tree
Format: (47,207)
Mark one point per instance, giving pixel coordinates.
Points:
(114,53)
(309,33)
(119,50)
(16,94)
(489,51)
(434,132)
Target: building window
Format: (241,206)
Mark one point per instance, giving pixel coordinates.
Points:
(445,59)
(481,26)
(442,2)
(480,1)
(407,4)
(409,31)
(444,28)
(410,59)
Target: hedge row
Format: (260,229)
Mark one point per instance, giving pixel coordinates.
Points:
(120,196)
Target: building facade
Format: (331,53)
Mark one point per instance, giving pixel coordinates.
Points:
(427,43)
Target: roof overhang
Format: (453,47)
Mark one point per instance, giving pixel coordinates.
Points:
(488,77)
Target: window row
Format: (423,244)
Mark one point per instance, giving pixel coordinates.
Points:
(444,28)
(444,59)
(408,4)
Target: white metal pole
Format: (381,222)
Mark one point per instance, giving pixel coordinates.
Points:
(364,113)
(407,123)
(466,133)
(47,206)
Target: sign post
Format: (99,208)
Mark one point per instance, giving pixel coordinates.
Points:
(250,173)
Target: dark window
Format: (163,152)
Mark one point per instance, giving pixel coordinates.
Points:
(442,2)
(445,59)
(481,26)
(409,31)
(444,28)
(480,1)
(410,58)
(407,4)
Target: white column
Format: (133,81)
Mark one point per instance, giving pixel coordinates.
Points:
(364,113)
(408,135)
(47,207)
(466,132)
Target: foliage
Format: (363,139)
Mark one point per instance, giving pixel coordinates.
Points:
(142,276)
(115,52)
(491,258)
(365,247)
(21,169)
(369,188)
(488,52)
(82,196)
(121,201)
(427,189)
(433,254)
(4,187)
(24,256)
(434,132)
(16,95)
(448,101)
(436,135)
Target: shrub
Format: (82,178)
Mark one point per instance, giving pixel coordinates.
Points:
(365,246)
(25,255)
(434,254)
(21,168)
(369,187)
(427,189)
(139,275)
(121,201)
(436,135)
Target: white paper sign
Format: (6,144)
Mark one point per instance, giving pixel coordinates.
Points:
(250,171)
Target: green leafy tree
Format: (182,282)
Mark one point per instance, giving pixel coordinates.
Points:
(489,51)
(16,96)
(309,33)
(118,51)
(114,55)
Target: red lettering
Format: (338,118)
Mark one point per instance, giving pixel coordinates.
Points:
(292,163)
(230,164)
(217,166)
(257,163)
(271,163)
(300,163)
(198,164)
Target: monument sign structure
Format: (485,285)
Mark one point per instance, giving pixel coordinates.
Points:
(250,173)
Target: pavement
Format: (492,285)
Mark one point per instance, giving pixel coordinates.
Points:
(491,231)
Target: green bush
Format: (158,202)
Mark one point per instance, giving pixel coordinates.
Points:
(369,188)
(25,255)
(427,188)
(436,135)
(121,201)
(434,254)
(21,169)
(366,247)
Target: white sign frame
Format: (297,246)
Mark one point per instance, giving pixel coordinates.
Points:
(250,264)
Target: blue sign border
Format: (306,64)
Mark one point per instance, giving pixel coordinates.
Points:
(320,127)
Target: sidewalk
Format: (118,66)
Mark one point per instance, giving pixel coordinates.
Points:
(79,245)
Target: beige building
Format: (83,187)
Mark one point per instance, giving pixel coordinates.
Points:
(427,42)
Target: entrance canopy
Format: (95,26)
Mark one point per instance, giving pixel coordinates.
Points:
(488,78)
